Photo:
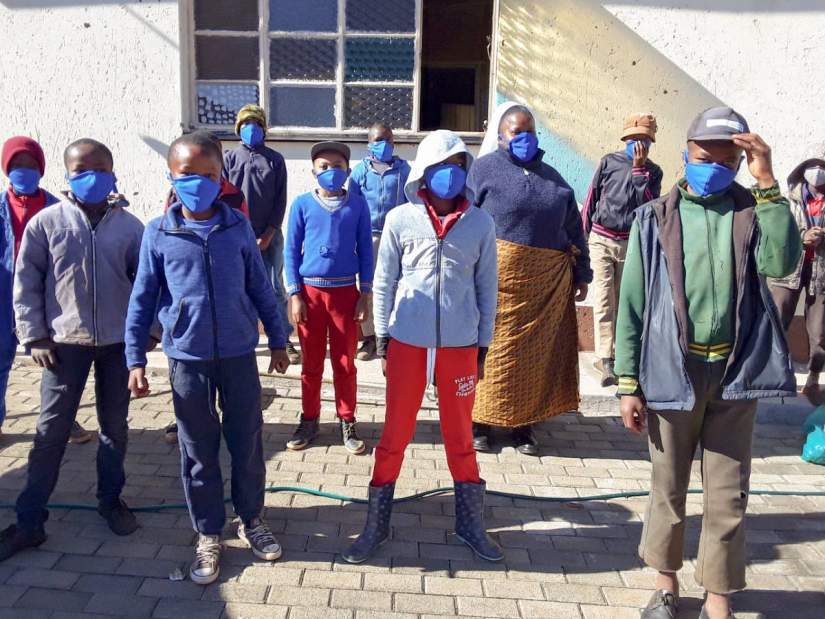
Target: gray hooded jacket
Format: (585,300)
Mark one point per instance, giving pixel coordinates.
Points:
(430,292)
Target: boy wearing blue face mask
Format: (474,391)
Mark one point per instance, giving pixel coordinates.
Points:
(24,163)
(201,272)
(380,179)
(260,173)
(698,341)
(624,180)
(328,248)
(73,278)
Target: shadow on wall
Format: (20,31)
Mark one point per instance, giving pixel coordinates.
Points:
(582,71)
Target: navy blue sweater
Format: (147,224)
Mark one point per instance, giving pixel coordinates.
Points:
(260,173)
(327,247)
(531,204)
(208,293)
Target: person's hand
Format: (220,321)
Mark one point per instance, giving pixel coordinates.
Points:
(266,239)
(362,308)
(384,366)
(278,361)
(151,344)
(297,309)
(634,413)
(581,293)
(43,353)
(813,237)
(640,152)
(138,384)
(481,371)
(758,154)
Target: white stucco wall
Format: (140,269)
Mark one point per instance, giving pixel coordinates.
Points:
(760,57)
(112,71)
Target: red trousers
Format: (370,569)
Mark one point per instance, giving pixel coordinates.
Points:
(456,373)
(330,311)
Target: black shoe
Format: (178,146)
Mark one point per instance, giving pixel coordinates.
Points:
(377,529)
(609,377)
(304,434)
(170,433)
(349,437)
(119,518)
(294,355)
(368,350)
(481,437)
(469,520)
(79,435)
(13,539)
(663,605)
(525,441)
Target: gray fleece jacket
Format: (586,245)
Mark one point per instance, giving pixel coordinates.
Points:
(72,283)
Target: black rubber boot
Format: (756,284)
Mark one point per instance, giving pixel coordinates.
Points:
(377,529)
(469,520)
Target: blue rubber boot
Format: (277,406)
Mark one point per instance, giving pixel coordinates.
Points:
(377,529)
(469,520)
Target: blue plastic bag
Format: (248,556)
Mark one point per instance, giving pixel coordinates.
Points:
(813,450)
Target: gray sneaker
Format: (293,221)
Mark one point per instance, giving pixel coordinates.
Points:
(304,434)
(206,566)
(260,539)
(349,437)
(663,605)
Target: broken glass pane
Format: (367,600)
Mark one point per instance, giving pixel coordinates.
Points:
(218,104)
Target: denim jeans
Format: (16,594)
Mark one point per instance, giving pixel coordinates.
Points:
(60,391)
(274,263)
(194,387)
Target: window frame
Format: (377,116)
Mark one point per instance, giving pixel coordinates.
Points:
(189,80)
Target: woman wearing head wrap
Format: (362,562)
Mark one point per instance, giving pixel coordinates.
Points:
(543,264)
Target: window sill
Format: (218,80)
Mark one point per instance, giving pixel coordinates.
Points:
(359,137)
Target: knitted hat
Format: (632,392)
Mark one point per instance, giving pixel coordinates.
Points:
(22,144)
(250,112)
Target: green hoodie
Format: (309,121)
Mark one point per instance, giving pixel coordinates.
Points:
(707,244)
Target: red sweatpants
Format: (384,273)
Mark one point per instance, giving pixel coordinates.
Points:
(456,372)
(330,311)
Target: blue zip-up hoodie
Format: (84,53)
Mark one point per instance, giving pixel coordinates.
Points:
(8,340)
(383,191)
(209,293)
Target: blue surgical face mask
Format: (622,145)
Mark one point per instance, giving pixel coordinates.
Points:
(24,180)
(197,193)
(524,146)
(252,134)
(381,150)
(332,179)
(92,187)
(630,146)
(709,178)
(445,180)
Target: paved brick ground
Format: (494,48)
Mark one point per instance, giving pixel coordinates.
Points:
(563,560)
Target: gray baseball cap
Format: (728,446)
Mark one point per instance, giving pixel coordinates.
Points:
(717,123)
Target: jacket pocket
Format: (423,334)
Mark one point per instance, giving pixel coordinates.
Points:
(179,326)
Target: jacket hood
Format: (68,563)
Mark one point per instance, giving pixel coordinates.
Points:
(815,155)
(433,149)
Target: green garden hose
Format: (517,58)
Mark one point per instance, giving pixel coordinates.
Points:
(435,492)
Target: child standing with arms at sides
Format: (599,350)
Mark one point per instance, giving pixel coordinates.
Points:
(74,274)
(23,163)
(201,269)
(380,179)
(435,306)
(260,173)
(328,245)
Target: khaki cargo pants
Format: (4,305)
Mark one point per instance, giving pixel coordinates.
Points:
(724,430)
(607,261)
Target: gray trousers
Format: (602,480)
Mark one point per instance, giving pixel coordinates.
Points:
(724,430)
(368,327)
